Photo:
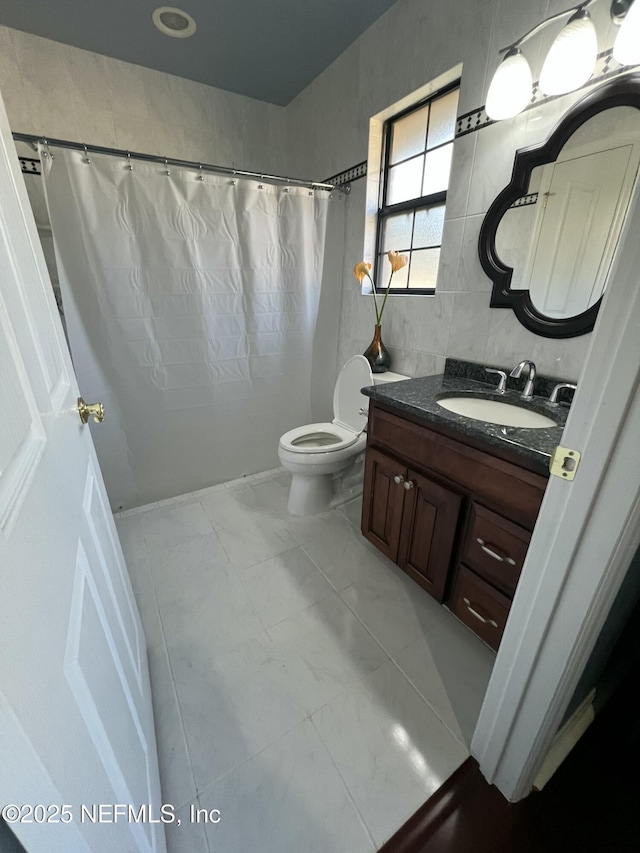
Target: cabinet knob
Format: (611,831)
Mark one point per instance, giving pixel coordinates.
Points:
(398,479)
(408,484)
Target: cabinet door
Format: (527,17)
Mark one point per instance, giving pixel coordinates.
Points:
(429,524)
(382,502)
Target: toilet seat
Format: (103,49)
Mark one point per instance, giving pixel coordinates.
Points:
(318,438)
(348,418)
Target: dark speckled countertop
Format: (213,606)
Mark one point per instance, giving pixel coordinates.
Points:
(418,397)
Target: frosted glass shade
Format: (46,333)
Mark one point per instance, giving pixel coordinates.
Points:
(571,58)
(510,89)
(626,49)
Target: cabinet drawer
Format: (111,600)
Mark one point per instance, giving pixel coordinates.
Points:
(480,606)
(495,548)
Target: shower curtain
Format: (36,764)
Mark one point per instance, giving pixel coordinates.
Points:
(191,303)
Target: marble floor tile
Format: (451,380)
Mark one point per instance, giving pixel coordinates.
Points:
(325,649)
(287,799)
(216,613)
(131,538)
(394,608)
(186,836)
(248,534)
(145,597)
(450,668)
(232,705)
(170,525)
(176,776)
(344,557)
(390,748)
(284,585)
(306,527)
(352,511)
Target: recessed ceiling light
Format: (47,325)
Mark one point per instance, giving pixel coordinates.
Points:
(173,22)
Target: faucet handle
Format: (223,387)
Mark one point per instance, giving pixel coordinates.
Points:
(502,384)
(553,397)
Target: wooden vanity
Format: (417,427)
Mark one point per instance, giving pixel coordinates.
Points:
(455,517)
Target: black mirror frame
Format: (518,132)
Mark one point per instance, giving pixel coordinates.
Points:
(624,91)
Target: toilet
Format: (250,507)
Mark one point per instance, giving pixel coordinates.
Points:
(319,456)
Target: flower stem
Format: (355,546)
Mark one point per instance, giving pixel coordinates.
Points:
(384,301)
(375,301)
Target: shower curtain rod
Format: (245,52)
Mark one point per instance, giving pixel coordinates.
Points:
(171,161)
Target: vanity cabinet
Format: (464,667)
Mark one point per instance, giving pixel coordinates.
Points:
(456,518)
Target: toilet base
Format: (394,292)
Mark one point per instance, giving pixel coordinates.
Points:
(309,495)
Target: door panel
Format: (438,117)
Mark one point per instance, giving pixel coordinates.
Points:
(382,502)
(76,723)
(428,533)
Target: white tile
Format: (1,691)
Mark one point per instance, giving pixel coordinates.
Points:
(287,799)
(450,668)
(176,778)
(344,558)
(325,649)
(284,585)
(394,609)
(144,594)
(232,705)
(248,534)
(185,835)
(131,538)
(167,526)
(206,604)
(303,528)
(390,748)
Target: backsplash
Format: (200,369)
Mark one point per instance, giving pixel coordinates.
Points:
(544,385)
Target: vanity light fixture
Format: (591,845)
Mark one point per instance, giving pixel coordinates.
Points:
(571,59)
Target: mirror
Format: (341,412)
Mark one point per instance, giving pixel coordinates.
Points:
(549,238)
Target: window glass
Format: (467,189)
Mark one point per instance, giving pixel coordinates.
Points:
(419,151)
(409,135)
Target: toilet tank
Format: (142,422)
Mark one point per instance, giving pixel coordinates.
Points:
(381,378)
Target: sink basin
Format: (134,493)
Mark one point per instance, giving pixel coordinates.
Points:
(495,412)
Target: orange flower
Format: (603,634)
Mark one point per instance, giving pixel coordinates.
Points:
(397,261)
(361,270)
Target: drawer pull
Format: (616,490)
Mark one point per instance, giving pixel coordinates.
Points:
(494,554)
(398,479)
(408,484)
(478,616)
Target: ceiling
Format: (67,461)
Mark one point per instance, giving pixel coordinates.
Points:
(266,50)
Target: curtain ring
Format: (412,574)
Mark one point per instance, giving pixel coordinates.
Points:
(200,175)
(129,164)
(87,159)
(47,150)
(167,170)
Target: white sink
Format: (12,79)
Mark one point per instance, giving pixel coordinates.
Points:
(495,412)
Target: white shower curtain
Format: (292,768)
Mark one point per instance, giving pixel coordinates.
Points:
(191,305)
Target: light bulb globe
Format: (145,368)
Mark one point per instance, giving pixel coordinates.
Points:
(626,48)
(571,58)
(510,89)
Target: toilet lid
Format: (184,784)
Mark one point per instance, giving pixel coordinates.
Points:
(347,399)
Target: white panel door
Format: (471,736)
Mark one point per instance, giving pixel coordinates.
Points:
(76,724)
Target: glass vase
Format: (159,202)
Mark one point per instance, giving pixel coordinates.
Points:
(377,354)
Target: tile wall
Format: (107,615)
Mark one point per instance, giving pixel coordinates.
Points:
(413,43)
(67,93)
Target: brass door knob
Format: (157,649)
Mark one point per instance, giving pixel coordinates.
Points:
(88,410)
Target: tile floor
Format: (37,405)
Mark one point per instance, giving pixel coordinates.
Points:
(302,684)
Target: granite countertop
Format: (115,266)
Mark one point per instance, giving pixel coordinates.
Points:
(417,397)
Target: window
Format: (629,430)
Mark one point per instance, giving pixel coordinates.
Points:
(418,147)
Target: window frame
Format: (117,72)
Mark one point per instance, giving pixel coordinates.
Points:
(414,204)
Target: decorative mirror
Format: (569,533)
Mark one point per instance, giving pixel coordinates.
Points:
(549,238)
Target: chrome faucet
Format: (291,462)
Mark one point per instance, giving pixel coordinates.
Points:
(527,392)
(553,399)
